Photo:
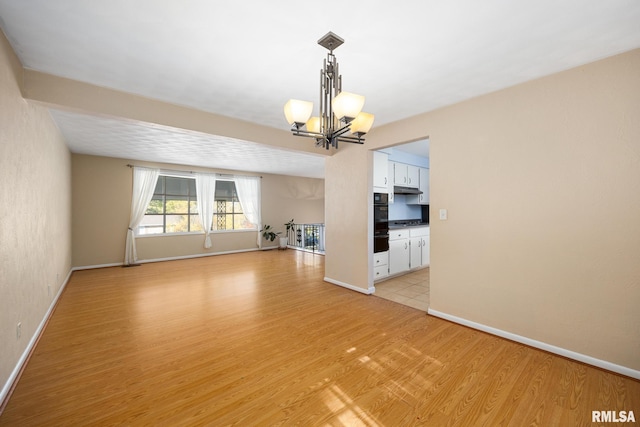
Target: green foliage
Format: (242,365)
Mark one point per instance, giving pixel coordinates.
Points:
(289,225)
(268,233)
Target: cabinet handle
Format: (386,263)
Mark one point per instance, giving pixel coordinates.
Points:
(406,246)
(385,179)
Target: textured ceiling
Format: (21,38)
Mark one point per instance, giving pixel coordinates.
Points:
(245,59)
(106,136)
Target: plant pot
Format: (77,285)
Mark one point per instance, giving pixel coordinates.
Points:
(283,243)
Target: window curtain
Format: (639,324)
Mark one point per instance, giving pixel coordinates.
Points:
(144,184)
(248,188)
(205,194)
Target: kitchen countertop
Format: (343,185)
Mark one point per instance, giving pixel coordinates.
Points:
(393,226)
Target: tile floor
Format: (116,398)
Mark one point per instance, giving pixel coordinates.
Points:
(410,289)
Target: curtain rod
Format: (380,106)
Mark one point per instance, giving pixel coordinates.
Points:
(183,171)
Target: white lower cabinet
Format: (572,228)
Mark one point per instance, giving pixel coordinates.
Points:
(415,250)
(399,254)
(419,246)
(380,265)
(426,255)
(408,249)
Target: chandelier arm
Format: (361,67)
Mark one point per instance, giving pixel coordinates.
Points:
(331,137)
(301,132)
(351,139)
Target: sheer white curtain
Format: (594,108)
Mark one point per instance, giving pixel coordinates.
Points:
(248,188)
(144,183)
(205,193)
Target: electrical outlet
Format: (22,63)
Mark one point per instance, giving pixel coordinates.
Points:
(19,330)
(443,214)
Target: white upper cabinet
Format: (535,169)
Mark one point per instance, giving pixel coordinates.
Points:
(400,174)
(390,175)
(421,199)
(380,172)
(406,175)
(413,176)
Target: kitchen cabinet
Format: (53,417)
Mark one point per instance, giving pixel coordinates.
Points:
(413,176)
(419,247)
(426,254)
(423,180)
(390,175)
(415,252)
(380,265)
(380,172)
(399,254)
(400,174)
(406,175)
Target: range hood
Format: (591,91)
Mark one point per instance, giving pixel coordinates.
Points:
(405,190)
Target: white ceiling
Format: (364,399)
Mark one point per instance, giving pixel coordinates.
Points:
(245,59)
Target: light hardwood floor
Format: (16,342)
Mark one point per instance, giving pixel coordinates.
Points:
(258,339)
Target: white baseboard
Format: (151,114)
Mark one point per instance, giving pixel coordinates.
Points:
(32,342)
(91,267)
(540,345)
(175,258)
(348,286)
(145,261)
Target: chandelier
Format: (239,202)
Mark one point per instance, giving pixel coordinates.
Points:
(341,118)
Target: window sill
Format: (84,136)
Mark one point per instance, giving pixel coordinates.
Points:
(195,233)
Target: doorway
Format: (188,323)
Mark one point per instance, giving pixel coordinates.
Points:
(408,207)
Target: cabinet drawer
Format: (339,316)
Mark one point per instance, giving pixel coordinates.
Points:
(380,258)
(380,271)
(398,234)
(419,231)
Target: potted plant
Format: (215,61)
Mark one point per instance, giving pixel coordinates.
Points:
(284,240)
(268,233)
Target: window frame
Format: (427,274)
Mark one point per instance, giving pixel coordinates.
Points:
(237,200)
(196,232)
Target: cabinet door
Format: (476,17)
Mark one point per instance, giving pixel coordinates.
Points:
(413,176)
(391,177)
(398,256)
(426,254)
(400,174)
(415,248)
(380,172)
(424,186)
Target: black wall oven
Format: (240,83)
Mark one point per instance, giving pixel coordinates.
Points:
(380,222)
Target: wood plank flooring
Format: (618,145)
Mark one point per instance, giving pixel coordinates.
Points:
(258,339)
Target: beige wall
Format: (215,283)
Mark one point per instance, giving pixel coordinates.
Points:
(102,201)
(348,183)
(542,186)
(35,214)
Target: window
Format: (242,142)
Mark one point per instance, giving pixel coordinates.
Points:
(228,211)
(174,209)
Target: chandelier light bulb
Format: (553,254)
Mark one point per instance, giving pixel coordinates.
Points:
(361,124)
(298,112)
(313,124)
(347,105)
